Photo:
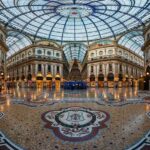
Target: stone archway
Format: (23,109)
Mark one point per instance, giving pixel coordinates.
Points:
(110,77)
(92,77)
(101,77)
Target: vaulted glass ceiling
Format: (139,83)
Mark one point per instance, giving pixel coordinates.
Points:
(74,20)
(75,51)
(134,41)
(16,41)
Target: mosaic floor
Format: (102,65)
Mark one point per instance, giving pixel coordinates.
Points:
(100,119)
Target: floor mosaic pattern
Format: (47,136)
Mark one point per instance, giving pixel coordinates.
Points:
(96,119)
(2,99)
(75,124)
(148,114)
(6,144)
(143,144)
(1,115)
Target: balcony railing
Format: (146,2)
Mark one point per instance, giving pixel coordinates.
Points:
(101,58)
(37,57)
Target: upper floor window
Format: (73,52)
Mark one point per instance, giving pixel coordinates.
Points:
(92,54)
(100,67)
(110,52)
(48,53)
(58,69)
(49,68)
(120,52)
(92,69)
(57,54)
(100,52)
(29,53)
(148,36)
(110,67)
(22,55)
(39,51)
(39,67)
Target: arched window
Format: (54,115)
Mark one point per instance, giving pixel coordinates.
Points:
(100,52)
(110,52)
(22,56)
(49,53)
(57,54)
(92,54)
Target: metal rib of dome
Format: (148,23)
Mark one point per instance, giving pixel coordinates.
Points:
(74,20)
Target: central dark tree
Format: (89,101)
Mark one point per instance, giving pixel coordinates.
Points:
(75,74)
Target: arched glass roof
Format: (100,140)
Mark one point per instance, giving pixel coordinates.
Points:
(74,20)
(75,51)
(16,41)
(133,41)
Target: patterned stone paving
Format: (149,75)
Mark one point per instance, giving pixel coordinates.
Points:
(129,121)
(1,114)
(6,144)
(143,144)
(2,99)
(75,100)
(148,114)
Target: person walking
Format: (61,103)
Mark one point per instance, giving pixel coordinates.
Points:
(8,85)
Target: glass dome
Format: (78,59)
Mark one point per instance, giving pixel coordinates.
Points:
(74,20)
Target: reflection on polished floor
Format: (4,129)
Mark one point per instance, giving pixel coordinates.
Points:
(45,119)
(90,93)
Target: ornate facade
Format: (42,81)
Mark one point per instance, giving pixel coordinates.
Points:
(112,61)
(146,50)
(42,59)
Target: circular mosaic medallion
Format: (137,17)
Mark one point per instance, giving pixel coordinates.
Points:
(75,123)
